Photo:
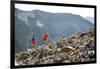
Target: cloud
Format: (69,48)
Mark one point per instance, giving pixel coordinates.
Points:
(39,24)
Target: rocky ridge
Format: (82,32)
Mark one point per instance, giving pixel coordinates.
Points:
(79,47)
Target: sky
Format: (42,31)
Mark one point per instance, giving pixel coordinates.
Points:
(84,12)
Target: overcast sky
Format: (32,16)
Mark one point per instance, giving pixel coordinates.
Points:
(84,12)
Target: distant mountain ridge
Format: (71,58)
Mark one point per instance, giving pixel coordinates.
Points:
(91,19)
(39,22)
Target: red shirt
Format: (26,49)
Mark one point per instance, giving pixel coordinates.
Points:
(45,37)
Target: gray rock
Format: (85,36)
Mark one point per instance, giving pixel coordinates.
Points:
(76,48)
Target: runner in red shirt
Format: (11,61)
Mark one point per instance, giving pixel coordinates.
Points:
(45,37)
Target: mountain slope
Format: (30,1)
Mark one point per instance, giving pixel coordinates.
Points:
(79,47)
(39,22)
